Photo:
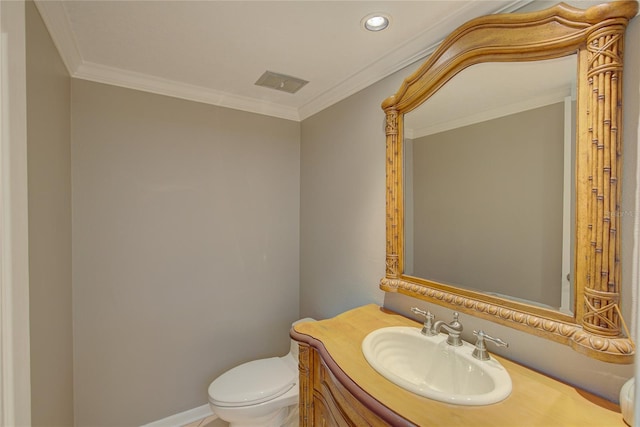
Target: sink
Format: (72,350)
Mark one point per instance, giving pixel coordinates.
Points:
(429,367)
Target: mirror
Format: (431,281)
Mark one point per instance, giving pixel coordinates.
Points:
(487,191)
(577,234)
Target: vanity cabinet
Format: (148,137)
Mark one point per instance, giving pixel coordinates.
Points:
(339,388)
(325,401)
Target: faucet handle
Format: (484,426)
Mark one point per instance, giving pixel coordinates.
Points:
(480,352)
(428,322)
(417,310)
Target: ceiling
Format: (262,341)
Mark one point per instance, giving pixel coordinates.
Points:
(214,51)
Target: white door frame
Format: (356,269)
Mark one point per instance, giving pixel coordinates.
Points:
(15,388)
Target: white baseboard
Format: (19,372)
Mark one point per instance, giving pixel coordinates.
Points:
(183,418)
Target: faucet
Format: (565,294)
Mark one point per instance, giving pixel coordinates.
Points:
(427,328)
(453,329)
(480,352)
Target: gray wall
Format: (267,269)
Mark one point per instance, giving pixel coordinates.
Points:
(49,191)
(342,216)
(185,248)
(343,232)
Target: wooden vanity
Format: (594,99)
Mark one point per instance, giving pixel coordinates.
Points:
(339,388)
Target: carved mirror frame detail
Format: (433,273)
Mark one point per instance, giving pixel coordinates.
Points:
(597,36)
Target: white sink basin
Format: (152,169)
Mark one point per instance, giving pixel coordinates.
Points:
(429,367)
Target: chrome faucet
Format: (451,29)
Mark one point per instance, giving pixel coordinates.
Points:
(453,329)
(480,352)
(427,328)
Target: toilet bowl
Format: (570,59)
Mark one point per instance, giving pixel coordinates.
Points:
(259,393)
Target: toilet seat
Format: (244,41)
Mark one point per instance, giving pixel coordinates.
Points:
(252,383)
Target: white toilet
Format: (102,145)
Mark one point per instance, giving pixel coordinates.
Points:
(260,393)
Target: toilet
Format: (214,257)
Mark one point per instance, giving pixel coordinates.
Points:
(259,393)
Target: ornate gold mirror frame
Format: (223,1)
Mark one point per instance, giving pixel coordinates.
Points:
(597,36)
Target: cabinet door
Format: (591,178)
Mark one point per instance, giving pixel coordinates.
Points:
(333,404)
(323,416)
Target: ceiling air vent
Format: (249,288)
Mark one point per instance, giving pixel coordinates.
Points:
(281,82)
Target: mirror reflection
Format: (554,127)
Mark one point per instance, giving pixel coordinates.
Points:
(489,182)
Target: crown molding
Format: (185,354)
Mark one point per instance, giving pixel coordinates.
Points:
(148,83)
(57,22)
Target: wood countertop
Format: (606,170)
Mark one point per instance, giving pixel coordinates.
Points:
(536,400)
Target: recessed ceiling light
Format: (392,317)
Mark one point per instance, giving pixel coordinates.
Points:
(375,21)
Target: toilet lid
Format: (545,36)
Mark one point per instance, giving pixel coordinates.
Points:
(252,382)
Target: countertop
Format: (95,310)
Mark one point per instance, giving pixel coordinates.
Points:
(536,399)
